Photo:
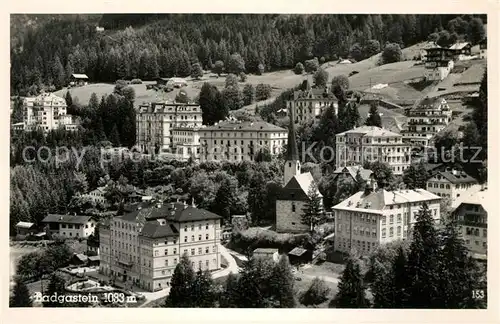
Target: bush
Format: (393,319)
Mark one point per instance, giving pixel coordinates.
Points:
(299,68)
(254,238)
(312,65)
(316,294)
(392,53)
(260,68)
(340,80)
(262,92)
(136,81)
(243,77)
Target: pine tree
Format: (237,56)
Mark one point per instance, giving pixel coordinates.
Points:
(69,99)
(182,284)
(248,94)
(93,101)
(228,298)
(351,290)
(257,196)
(21,295)
(320,78)
(399,280)
(313,209)
(56,287)
(373,116)
(196,71)
(282,282)
(423,262)
(114,136)
(204,293)
(224,199)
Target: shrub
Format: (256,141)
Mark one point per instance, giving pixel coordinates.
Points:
(316,294)
(262,92)
(254,237)
(299,68)
(243,77)
(136,81)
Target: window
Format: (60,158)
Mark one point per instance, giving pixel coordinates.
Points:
(185,239)
(86,225)
(399,218)
(383,233)
(293,207)
(383,220)
(70,234)
(199,237)
(391,219)
(399,231)
(156,253)
(206,263)
(206,226)
(166,263)
(199,226)
(206,236)
(63,225)
(192,227)
(484,245)
(192,251)
(175,241)
(192,238)
(391,232)
(213,249)
(166,251)
(175,261)
(484,233)
(207,250)
(476,242)
(199,251)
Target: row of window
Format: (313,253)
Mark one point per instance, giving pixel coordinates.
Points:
(159,118)
(76,226)
(243,135)
(349,139)
(200,250)
(476,243)
(207,236)
(391,232)
(475,231)
(362,245)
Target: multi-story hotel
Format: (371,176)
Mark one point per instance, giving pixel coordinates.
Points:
(439,62)
(425,120)
(452,184)
(46,112)
(311,103)
(472,218)
(370,144)
(234,140)
(373,217)
(143,246)
(156,121)
(186,142)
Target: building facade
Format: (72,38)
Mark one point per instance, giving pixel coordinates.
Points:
(439,62)
(423,50)
(143,246)
(373,217)
(472,219)
(483,50)
(311,103)
(424,121)
(46,112)
(462,50)
(370,144)
(452,184)
(155,123)
(186,142)
(70,226)
(233,140)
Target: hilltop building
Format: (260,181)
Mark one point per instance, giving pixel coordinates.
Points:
(452,184)
(373,217)
(483,50)
(46,112)
(462,50)
(472,218)
(423,50)
(439,63)
(156,121)
(311,103)
(425,120)
(294,196)
(143,246)
(234,140)
(370,144)
(70,226)
(78,80)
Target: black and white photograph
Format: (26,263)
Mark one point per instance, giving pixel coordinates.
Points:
(240,160)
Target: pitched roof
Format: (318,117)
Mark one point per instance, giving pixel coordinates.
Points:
(353,171)
(431,45)
(81,257)
(245,126)
(94,258)
(371,131)
(376,201)
(155,229)
(79,76)
(457,177)
(298,188)
(265,250)
(177,212)
(298,251)
(458,46)
(67,219)
(24,224)
(475,197)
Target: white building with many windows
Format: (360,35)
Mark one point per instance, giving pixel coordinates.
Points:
(70,226)
(156,121)
(311,103)
(143,246)
(452,184)
(370,144)
(234,140)
(370,218)
(47,112)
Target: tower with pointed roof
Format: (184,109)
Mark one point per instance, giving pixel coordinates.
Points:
(292,164)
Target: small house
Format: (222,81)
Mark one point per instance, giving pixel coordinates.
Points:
(70,226)
(266,253)
(78,80)
(79,259)
(162,81)
(462,50)
(94,261)
(482,49)
(24,228)
(299,256)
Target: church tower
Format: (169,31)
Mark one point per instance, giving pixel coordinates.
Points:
(292,163)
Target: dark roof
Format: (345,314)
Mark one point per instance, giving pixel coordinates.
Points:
(293,191)
(459,177)
(177,212)
(95,258)
(81,257)
(245,126)
(155,229)
(68,219)
(298,251)
(265,250)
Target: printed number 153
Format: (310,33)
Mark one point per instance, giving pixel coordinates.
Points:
(478,294)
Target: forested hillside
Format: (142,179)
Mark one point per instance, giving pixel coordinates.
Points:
(150,45)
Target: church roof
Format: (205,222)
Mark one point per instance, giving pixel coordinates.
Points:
(298,188)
